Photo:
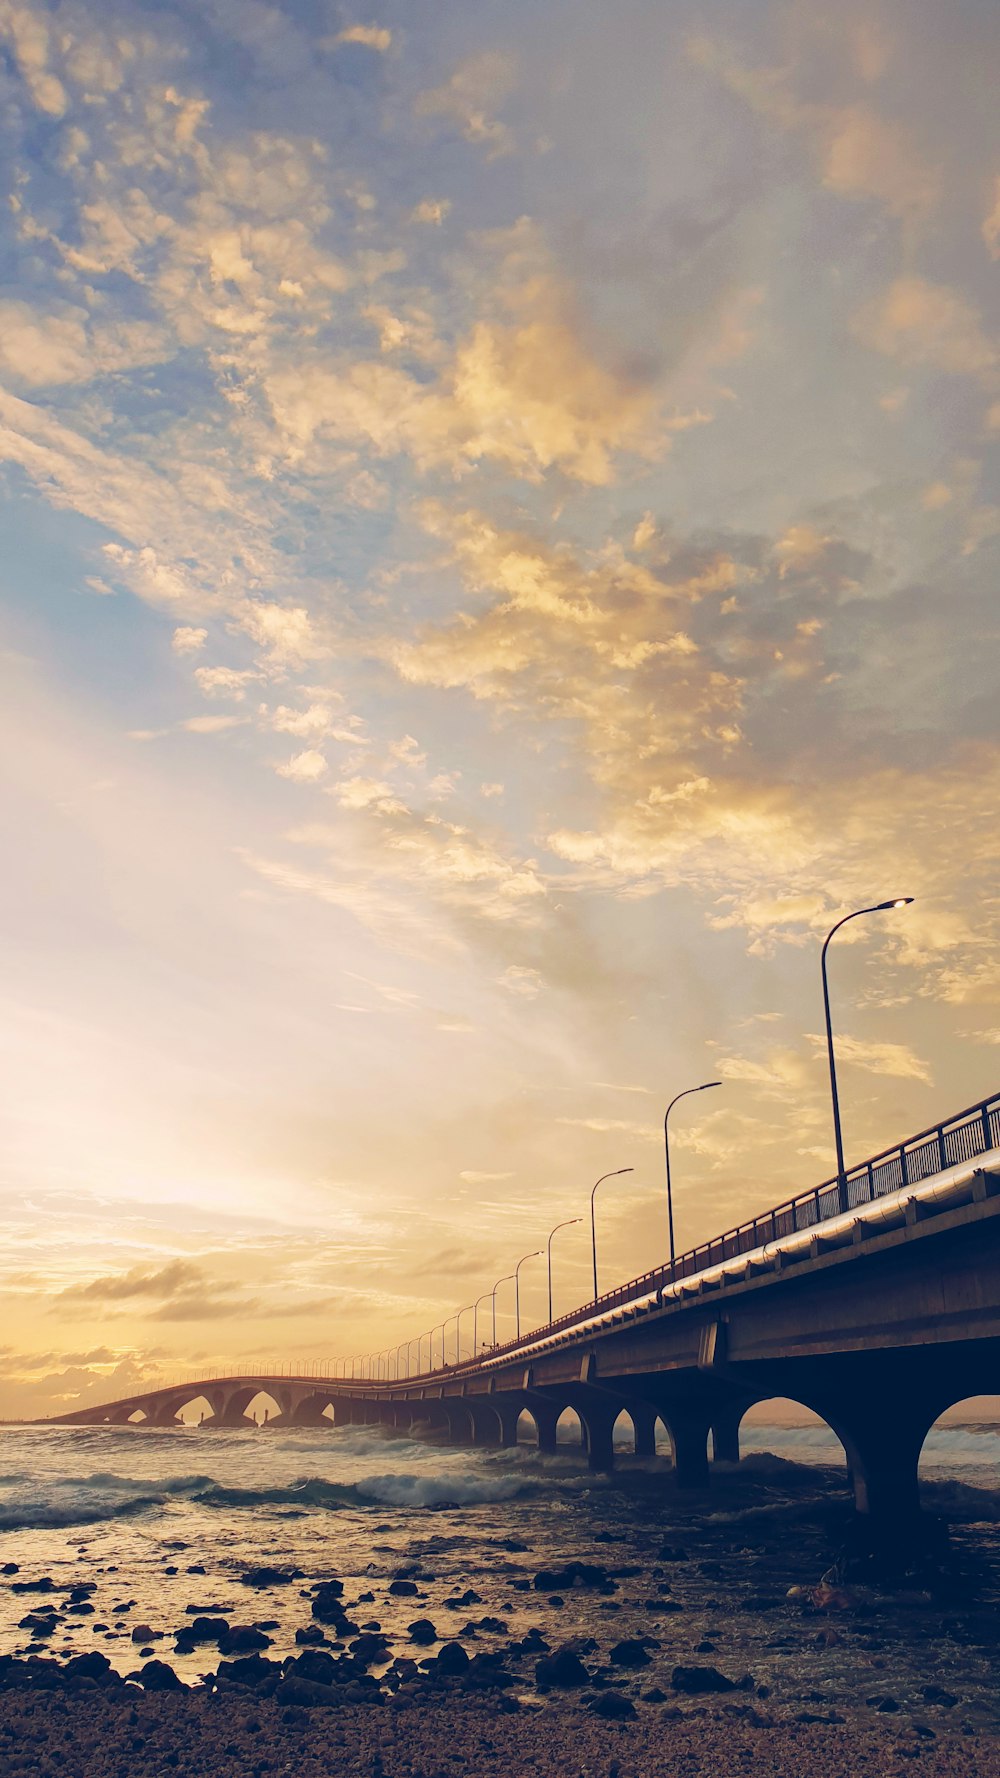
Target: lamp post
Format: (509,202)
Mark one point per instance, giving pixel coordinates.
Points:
(458,1332)
(439,1330)
(517,1288)
(445,1326)
(593,1224)
(666,1148)
(548,1250)
(493,1293)
(879,907)
(475,1321)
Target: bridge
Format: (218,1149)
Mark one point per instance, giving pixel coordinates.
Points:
(873,1300)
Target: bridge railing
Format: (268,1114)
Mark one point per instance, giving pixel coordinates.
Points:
(960,1138)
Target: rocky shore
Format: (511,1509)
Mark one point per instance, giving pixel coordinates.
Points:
(455,1648)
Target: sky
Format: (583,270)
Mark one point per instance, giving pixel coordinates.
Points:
(500,550)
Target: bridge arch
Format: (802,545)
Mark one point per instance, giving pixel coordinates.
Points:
(263,1407)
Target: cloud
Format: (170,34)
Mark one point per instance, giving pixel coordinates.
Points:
(432,210)
(211,725)
(188,640)
(895,1059)
(471,1177)
(918,322)
(375,37)
(527,395)
(303,768)
(466,99)
(857,153)
(181,1290)
(27,32)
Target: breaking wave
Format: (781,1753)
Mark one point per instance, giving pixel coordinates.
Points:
(86,1500)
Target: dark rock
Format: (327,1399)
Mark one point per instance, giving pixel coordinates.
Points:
(310,1635)
(700,1679)
(307,1693)
(935,1694)
(327,1605)
(170,1570)
(196,1568)
(574,1574)
(143,1633)
(82,1591)
(369,1648)
(422,1630)
(630,1653)
(610,1537)
(243,1639)
(612,1706)
(45,1585)
(451,1661)
(82,1609)
(887,1706)
(38,1623)
(92,1665)
(403,1589)
(276,1577)
(250,1670)
(662,1605)
(11,1568)
(319,1667)
(495,1625)
(157,1676)
(654,1696)
(672,1552)
(205,1629)
(816,1716)
(561,1669)
(556,1600)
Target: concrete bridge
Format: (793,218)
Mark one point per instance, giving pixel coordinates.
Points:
(877,1318)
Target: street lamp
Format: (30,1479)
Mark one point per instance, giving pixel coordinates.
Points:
(445,1325)
(493,1293)
(666,1146)
(548,1249)
(879,907)
(475,1321)
(593,1225)
(517,1288)
(458,1332)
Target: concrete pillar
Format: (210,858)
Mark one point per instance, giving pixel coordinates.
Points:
(688,1428)
(546,1419)
(598,1429)
(726,1434)
(643,1419)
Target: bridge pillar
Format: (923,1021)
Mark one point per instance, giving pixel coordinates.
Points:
(598,1421)
(726,1434)
(688,1429)
(546,1419)
(643,1419)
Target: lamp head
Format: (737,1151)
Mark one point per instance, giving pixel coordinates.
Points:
(709,1083)
(901,901)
